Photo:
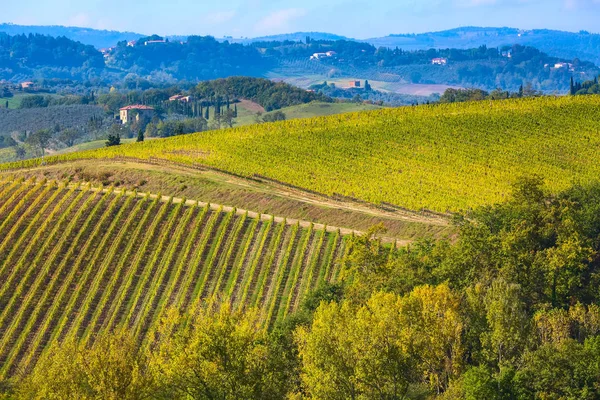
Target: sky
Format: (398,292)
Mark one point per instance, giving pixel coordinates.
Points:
(358,19)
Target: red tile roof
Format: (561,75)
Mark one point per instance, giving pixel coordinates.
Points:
(137,107)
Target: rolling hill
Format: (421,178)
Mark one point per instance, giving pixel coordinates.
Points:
(582,45)
(441,157)
(78,260)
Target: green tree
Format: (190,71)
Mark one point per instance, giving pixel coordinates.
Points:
(357,353)
(212,352)
(39,141)
(20,152)
(113,140)
(69,136)
(114,367)
(140,136)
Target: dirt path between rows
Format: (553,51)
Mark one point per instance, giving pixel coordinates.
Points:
(306,197)
(252,214)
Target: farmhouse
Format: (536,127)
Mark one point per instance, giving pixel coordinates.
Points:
(318,56)
(135,112)
(27,85)
(439,61)
(181,98)
(355,84)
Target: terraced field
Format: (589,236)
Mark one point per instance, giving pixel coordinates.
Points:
(76,260)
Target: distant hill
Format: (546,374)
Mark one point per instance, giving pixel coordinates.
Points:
(295,37)
(94,37)
(582,45)
(569,45)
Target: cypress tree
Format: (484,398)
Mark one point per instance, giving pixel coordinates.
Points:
(140,137)
(572,87)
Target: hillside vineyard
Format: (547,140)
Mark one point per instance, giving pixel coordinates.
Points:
(442,157)
(78,260)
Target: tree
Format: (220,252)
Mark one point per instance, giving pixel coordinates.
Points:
(229,118)
(212,352)
(69,136)
(509,328)
(568,370)
(20,152)
(39,141)
(113,140)
(274,116)
(368,87)
(114,367)
(350,353)
(140,136)
(435,325)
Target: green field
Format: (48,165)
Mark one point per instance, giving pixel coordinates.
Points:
(96,144)
(309,110)
(14,102)
(441,157)
(77,261)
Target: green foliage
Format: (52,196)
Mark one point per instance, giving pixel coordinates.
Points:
(113,140)
(114,367)
(271,95)
(275,116)
(214,352)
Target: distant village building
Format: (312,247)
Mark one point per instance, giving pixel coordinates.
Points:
(27,85)
(132,43)
(507,54)
(318,56)
(355,84)
(563,65)
(439,61)
(182,98)
(151,42)
(135,112)
(106,52)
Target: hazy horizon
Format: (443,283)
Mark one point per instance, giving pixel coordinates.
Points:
(356,19)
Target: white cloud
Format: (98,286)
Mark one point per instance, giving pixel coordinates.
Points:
(279,20)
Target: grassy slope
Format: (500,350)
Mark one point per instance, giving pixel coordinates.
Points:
(262,197)
(442,157)
(96,144)
(82,261)
(310,110)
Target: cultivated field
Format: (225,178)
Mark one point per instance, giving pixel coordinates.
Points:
(440,157)
(77,260)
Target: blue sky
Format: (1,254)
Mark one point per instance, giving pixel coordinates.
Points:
(353,18)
